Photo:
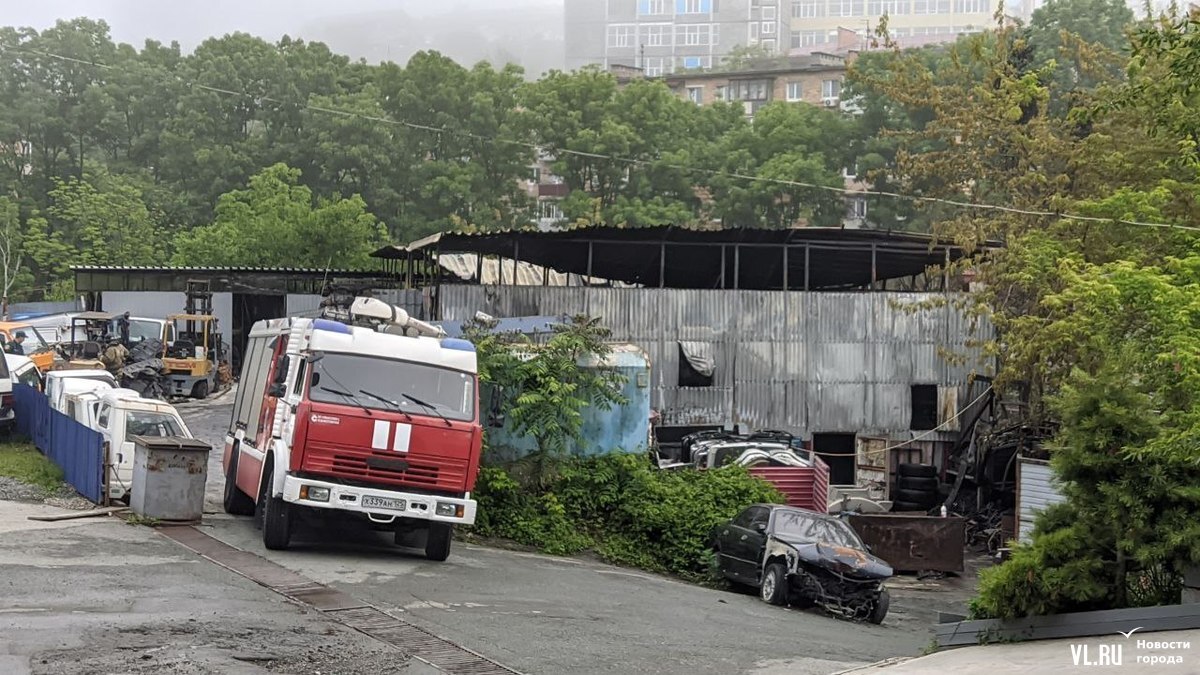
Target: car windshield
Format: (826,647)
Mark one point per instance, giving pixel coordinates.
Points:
(143,423)
(139,329)
(389,384)
(813,528)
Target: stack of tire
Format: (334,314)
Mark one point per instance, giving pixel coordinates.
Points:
(916,488)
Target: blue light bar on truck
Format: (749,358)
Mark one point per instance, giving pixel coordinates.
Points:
(331,326)
(458,345)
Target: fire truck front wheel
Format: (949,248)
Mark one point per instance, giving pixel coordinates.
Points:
(276,515)
(437,542)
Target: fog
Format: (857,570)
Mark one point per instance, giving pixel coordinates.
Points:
(527,32)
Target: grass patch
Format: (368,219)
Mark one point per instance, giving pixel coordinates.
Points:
(20,460)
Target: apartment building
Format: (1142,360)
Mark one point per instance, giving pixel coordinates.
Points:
(814,78)
(666,36)
(813,25)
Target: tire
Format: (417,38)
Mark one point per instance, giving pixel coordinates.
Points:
(437,542)
(916,497)
(236,502)
(916,471)
(907,506)
(880,609)
(200,390)
(276,516)
(918,484)
(774,589)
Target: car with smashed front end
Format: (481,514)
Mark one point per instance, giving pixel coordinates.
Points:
(803,558)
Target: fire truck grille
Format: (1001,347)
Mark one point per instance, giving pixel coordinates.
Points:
(390,468)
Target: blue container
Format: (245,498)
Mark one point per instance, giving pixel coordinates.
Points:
(621,428)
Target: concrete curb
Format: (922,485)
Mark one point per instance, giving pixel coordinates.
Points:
(886,663)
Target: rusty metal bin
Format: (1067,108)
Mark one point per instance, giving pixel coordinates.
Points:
(168,478)
(913,543)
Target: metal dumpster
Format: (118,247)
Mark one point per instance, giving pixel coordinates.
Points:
(168,478)
(913,543)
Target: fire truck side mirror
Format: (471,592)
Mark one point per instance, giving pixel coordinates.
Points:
(277,390)
(281,369)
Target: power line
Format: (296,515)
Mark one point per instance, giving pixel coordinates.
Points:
(642,162)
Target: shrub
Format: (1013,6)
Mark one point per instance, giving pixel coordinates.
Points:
(619,506)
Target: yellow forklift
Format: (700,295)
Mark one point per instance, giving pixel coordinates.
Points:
(193,361)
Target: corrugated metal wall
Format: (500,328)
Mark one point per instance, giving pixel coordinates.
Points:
(1036,489)
(800,362)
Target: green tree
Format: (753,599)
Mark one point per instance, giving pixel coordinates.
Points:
(106,221)
(278,222)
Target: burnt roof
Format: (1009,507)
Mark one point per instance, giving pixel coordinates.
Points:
(816,258)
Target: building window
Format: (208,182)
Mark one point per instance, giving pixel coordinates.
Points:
(694,36)
(931,7)
(831,90)
(655,67)
(808,9)
(924,407)
(651,7)
(769,45)
(749,90)
(696,94)
(696,364)
(970,6)
(847,8)
(768,28)
(856,209)
(693,62)
(808,38)
(693,6)
(795,92)
(535,174)
(660,35)
(550,209)
(889,7)
(722,93)
(768,14)
(622,36)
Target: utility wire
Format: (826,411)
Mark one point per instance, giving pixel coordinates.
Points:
(642,162)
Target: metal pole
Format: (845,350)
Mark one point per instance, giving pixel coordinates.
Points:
(479,268)
(516,257)
(737,266)
(722,267)
(874,270)
(807,257)
(786,286)
(589,267)
(946,272)
(662,265)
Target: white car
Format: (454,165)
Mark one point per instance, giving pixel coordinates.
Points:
(8,412)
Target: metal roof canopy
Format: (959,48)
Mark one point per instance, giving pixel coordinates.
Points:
(741,258)
(257,280)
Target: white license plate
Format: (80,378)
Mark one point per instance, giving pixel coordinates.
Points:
(388,503)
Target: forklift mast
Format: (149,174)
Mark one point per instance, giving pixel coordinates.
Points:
(199,297)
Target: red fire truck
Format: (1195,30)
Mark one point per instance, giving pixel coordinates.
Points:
(374,415)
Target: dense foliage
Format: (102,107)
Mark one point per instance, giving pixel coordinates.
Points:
(619,506)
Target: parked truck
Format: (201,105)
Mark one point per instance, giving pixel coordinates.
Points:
(119,415)
(365,414)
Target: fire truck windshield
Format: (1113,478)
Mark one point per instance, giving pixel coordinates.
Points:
(394,385)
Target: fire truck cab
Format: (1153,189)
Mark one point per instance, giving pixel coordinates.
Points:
(374,415)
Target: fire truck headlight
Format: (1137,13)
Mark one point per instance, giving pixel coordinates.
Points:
(449,510)
(313,493)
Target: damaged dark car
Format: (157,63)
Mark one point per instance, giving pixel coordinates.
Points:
(805,559)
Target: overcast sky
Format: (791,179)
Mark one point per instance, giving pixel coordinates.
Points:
(332,21)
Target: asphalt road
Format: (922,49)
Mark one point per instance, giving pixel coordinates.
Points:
(546,615)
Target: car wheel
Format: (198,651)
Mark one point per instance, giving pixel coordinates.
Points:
(235,501)
(774,590)
(437,543)
(200,390)
(880,608)
(917,484)
(916,471)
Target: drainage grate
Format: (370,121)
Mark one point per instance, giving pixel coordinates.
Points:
(345,609)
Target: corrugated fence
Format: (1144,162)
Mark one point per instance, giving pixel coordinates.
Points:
(800,361)
(802,486)
(74,448)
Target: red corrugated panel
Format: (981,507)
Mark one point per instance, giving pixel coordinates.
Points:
(802,487)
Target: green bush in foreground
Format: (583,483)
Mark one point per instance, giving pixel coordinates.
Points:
(619,506)
(22,461)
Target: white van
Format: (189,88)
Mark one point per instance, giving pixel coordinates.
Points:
(61,382)
(121,414)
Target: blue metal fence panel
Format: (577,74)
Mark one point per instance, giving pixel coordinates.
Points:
(74,448)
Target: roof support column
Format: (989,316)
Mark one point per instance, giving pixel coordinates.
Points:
(737,266)
(786,286)
(807,259)
(662,265)
(591,246)
(874,265)
(723,267)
